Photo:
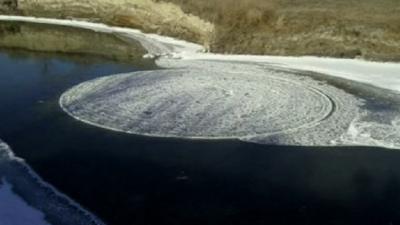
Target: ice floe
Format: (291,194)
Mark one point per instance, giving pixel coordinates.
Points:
(216,100)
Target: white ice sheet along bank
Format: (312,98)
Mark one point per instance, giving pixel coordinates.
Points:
(27,200)
(283,108)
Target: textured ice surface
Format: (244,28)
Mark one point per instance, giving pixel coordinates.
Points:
(31,198)
(369,131)
(215,100)
(156,45)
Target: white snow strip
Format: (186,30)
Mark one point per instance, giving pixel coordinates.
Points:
(15,211)
(379,74)
(154,44)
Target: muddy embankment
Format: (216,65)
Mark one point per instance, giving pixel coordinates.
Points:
(336,28)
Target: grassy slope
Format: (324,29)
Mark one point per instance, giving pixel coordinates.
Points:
(341,28)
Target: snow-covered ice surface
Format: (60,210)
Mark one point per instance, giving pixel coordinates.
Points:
(14,211)
(379,74)
(25,199)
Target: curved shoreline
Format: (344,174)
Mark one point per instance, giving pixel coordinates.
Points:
(156,45)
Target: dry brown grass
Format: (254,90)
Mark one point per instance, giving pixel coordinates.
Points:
(340,28)
(231,13)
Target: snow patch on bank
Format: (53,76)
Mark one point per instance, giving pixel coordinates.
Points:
(15,211)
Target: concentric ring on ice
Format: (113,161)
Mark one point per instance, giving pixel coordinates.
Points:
(196,103)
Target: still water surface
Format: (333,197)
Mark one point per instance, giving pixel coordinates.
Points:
(127,179)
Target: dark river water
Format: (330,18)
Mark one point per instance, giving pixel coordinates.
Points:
(127,179)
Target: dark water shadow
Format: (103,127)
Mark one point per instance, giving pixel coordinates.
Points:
(127,179)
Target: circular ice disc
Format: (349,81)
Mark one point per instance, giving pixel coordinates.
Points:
(195,104)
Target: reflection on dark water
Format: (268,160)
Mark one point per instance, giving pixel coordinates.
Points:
(127,179)
(69,40)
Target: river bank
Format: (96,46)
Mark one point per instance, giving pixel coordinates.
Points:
(340,29)
(40,38)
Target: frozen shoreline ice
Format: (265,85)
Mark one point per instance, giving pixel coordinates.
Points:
(14,211)
(42,198)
